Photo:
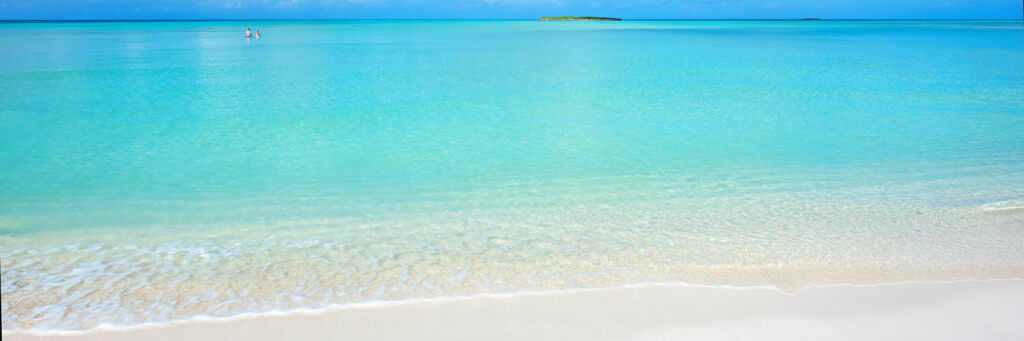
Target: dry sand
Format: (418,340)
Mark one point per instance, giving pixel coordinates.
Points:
(964,310)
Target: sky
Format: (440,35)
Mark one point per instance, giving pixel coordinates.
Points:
(506,9)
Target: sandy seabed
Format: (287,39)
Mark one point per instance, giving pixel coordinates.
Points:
(961,310)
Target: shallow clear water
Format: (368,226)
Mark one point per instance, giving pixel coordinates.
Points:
(166,170)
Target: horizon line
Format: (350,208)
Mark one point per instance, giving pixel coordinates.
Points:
(511,19)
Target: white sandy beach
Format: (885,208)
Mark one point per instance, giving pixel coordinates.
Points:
(963,310)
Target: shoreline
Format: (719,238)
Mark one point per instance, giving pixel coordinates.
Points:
(659,301)
(810,180)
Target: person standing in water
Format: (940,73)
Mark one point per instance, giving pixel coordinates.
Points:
(248,33)
(257,34)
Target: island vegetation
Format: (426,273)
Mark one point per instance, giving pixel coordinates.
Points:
(579,19)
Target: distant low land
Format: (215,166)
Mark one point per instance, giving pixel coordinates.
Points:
(578,19)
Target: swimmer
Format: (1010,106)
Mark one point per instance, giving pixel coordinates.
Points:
(248,33)
(257,34)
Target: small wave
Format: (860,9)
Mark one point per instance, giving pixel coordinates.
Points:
(1016,204)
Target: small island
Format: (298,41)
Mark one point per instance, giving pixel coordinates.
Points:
(578,19)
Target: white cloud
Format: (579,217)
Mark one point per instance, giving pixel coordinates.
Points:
(288,3)
(525,2)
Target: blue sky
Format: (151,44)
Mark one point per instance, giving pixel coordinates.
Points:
(507,9)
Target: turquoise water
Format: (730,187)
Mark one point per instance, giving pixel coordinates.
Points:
(158,171)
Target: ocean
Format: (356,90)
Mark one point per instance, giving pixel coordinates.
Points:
(162,171)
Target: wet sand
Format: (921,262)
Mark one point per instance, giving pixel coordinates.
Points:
(988,310)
